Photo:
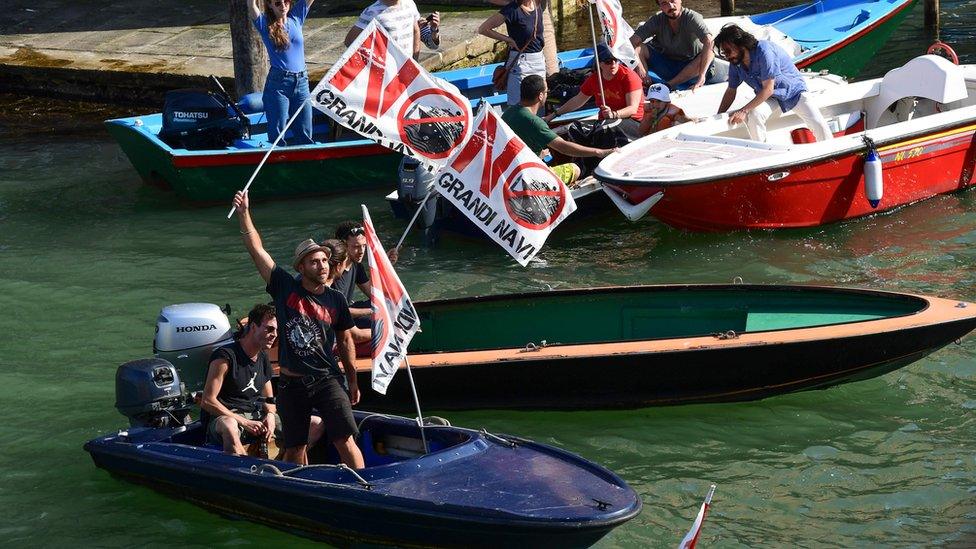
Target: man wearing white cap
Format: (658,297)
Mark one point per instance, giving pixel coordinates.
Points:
(312,318)
(660,113)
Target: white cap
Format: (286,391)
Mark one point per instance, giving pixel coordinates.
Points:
(659,92)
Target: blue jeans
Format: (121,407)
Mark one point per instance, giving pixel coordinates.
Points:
(665,69)
(284,94)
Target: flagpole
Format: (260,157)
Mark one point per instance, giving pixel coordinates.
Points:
(266,155)
(596,60)
(416,214)
(416,400)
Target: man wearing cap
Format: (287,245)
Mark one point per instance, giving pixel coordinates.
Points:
(680,48)
(312,318)
(622,91)
(660,113)
(621,106)
(536,133)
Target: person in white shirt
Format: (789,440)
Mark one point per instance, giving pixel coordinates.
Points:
(399,18)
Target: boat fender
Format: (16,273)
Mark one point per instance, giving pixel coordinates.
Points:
(873,178)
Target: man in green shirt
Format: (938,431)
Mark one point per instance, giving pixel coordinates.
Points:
(537,134)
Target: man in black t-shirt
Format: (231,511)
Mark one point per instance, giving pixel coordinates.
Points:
(312,319)
(238,385)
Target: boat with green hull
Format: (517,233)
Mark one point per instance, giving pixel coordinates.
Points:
(629,347)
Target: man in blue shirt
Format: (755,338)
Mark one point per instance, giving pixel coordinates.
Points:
(769,71)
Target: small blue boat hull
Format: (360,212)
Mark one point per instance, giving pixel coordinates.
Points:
(471,490)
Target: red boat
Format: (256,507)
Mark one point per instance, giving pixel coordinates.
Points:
(899,139)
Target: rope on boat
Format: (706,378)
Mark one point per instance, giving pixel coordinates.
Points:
(531,347)
(265,468)
(869,143)
(498,439)
(730,334)
(370,416)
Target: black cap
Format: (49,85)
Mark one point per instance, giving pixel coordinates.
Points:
(603,53)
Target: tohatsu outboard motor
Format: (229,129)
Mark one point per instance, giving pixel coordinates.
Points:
(186,335)
(148,391)
(415,183)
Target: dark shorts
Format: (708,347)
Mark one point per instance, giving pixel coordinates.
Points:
(297,396)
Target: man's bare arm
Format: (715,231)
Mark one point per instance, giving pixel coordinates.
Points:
(252,240)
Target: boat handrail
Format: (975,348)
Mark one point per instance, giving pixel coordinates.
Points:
(274,470)
(725,140)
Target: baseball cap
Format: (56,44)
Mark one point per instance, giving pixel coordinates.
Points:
(604,54)
(659,92)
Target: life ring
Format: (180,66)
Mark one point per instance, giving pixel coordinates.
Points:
(942,49)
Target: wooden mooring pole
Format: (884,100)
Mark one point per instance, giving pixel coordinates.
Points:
(728,7)
(932,14)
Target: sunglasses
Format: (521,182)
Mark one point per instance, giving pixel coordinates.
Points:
(609,62)
(281,3)
(356,231)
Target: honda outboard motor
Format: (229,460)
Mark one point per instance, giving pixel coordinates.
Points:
(197,119)
(149,392)
(186,335)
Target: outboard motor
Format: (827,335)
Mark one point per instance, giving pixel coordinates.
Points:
(186,335)
(415,182)
(196,119)
(148,391)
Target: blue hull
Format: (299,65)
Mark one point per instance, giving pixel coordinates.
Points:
(471,490)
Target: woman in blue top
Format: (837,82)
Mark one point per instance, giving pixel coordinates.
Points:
(523,22)
(286,89)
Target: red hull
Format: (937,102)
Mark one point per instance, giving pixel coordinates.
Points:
(825,191)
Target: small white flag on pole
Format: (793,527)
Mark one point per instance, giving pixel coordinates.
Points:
(616,31)
(394,318)
(692,537)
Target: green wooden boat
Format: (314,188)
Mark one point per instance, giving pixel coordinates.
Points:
(627,347)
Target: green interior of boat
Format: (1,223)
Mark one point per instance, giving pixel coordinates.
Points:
(640,314)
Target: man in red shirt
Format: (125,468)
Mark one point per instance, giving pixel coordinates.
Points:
(621,105)
(621,86)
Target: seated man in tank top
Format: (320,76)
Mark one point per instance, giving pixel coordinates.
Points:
(238,394)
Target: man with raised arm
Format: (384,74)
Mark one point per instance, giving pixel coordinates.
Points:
(312,318)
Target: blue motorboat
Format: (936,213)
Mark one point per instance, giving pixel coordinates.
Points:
(443,487)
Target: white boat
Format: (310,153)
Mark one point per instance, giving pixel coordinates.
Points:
(898,139)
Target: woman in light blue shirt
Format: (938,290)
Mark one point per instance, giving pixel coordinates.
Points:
(286,89)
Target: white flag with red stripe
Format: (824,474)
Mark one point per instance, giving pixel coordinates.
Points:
(382,93)
(504,188)
(394,319)
(616,31)
(692,537)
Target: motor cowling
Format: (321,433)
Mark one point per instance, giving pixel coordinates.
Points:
(186,336)
(196,119)
(414,180)
(149,392)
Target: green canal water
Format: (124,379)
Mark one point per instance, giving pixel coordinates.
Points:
(88,256)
